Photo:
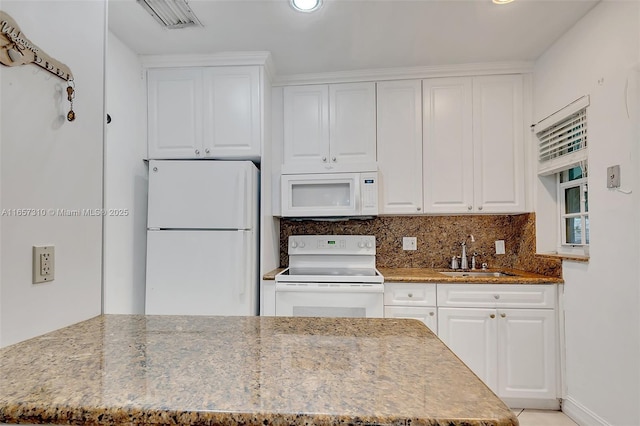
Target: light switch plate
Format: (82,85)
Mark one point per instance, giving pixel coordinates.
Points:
(500,247)
(613,177)
(43,263)
(409,243)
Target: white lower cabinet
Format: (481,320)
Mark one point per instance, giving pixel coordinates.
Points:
(506,334)
(412,300)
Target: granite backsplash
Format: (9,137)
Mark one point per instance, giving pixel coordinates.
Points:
(439,238)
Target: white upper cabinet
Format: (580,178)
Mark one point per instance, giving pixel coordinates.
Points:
(174,103)
(448,146)
(498,143)
(232,104)
(399,128)
(473,145)
(204,112)
(329,128)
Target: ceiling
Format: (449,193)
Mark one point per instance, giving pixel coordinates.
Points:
(346,35)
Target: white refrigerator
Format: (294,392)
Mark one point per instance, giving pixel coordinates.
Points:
(202,238)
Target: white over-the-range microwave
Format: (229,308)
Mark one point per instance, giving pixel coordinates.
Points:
(330,194)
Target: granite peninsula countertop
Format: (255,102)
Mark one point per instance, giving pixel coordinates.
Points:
(181,370)
(428,275)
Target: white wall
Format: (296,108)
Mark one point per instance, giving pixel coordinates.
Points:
(49,163)
(126,176)
(599,57)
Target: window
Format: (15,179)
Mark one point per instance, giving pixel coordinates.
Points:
(562,154)
(574,208)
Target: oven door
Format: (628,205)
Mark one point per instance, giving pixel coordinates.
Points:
(353,300)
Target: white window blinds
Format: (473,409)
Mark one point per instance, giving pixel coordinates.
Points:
(563,138)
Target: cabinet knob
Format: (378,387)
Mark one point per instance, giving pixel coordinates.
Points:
(419,208)
(469,207)
(503,315)
(496,296)
(480,208)
(197,152)
(492,316)
(324,159)
(333,159)
(410,294)
(431,313)
(155,169)
(207,151)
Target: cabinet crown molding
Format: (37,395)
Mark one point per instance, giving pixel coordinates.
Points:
(262,58)
(403,73)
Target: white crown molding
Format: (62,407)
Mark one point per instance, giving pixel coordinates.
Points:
(382,74)
(213,59)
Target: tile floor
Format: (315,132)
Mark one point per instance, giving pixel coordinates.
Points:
(543,418)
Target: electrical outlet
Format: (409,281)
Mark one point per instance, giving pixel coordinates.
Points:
(409,243)
(613,177)
(500,247)
(43,263)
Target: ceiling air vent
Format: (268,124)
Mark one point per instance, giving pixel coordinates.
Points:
(171,13)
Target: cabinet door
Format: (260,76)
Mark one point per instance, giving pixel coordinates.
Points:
(448,147)
(399,128)
(472,335)
(527,353)
(498,144)
(174,108)
(427,315)
(232,112)
(306,127)
(352,123)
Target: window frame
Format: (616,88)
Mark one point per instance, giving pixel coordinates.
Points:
(562,215)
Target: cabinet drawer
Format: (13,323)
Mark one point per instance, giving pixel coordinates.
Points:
(494,296)
(428,315)
(404,294)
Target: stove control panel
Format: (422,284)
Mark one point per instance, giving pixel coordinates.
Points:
(332,244)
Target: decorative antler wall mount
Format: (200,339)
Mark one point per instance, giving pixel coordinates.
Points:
(16,49)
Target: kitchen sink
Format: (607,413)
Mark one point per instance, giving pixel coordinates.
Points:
(476,274)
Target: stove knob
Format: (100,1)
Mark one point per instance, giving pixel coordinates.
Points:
(301,244)
(369,245)
(294,244)
(361,244)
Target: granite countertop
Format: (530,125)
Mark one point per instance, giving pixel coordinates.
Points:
(128,369)
(428,275)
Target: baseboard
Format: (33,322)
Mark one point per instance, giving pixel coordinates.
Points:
(581,414)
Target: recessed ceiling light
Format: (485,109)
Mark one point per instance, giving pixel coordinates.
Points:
(306,5)
(502,1)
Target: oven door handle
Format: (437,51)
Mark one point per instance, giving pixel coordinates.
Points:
(329,288)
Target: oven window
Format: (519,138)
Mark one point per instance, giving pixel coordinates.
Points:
(321,194)
(329,311)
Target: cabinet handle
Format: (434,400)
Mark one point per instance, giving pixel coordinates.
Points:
(207,151)
(503,315)
(324,159)
(480,208)
(492,316)
(496,296)
(469,207)
(197,152)
(333,159)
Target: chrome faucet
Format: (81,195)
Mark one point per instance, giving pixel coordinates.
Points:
(464,263)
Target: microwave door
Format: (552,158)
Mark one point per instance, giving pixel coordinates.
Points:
(320,196)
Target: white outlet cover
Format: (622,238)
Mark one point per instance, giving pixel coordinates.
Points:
(409,243)
(43,273)
(500,247)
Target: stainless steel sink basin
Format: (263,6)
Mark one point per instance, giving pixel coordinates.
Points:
(476,274)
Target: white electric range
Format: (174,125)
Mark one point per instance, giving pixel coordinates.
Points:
(330,276)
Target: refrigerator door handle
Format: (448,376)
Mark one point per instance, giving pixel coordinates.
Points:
(241,285)
(242,191)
